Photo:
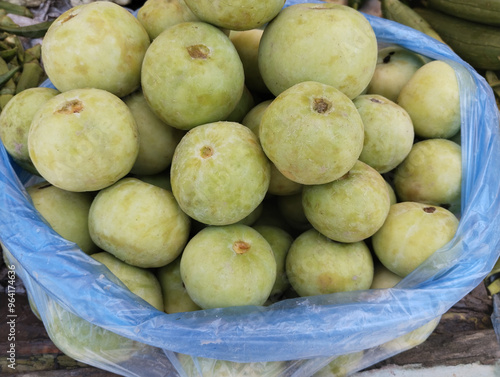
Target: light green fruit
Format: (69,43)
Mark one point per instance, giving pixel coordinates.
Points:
(388,129)
(280,241)
(230,265)
(411,233)
(219,173)
(432,174)
(139,281)
(15,123)
(271,215)
(411,339)
(384,278)
(66,212)
(342,365)
(205,367)
(247,44)
(253,117)
(139,223)
(192,75)
(329,43)
(236,14)
(244,105)
(351,208)
(157,140)
(158,15)
(174,293)
(392,193)
(95,45)
(395,66)
(317,265)
(312,132)
(292,210)
(432,98)
(83,140)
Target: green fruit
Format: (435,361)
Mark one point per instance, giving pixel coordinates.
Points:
(192,75)
(292,210)
(230,265)
(384,278)
(329,43)
(342,365)
(432,174)
(236,14)
(388,129)
(174,293)
(219,173)
(83,140)
(253,117)
(15,123)
(412,232)
(432,98)
(157,140)
(244,105)
(66,212)
(411,339)
(95,45)
(317,265)
(351,208)
(139,223)
(312,132)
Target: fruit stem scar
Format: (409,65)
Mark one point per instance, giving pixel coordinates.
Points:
(71,107)
(430,209)
(68,18)
(198,51)
(241,247)
(321,105)
(206,151)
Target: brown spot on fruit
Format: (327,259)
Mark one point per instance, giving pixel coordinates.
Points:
(71,107)
(376,100)
(241,247)
(198,51)
(206,151)
(430,209)
(321,105)
(387,59)
(68,18)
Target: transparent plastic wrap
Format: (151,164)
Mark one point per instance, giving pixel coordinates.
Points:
(80,301)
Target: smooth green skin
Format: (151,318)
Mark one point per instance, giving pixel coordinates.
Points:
(384,278)
(411,233)
(158,15)
(223,368)
(431,173)
(157,139)
(254,116)
(66,212)
(236,14)
(349,209)
(139,223)
(15,122)
(219,173)
(192,75)
(280,241)
(95,45)
(292,210)
(83,140)
(432,98)
(175,296)
(342,365)
(139,281)
(392,193)
(247,44)
(395,66)
(231,265)
(244,105)
(389,132)
(329,43)
(312,132)
(317,265)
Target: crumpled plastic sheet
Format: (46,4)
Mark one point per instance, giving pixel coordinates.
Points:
(309,332)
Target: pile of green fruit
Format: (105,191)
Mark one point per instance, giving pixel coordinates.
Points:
(214,159)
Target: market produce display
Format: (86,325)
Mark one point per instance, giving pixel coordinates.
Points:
(226,164)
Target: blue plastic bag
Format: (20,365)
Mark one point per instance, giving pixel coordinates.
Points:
(309,332)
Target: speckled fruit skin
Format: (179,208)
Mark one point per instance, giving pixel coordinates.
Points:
(388,129)
(66,212)
(96,45)
(395,66)
(192,74)
(83,140)
(329,43)
(432,98)
(411,233)
(158,15)
(351,208)
(15,123)
(219,173)
(317,265)
(230,265)
(431,173)
(139,223)
(236,14)
(157,140)
(312,132)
